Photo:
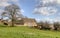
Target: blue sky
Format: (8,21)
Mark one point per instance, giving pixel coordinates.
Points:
(41,10)
(53,7)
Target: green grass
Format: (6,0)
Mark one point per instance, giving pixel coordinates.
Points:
(25,32)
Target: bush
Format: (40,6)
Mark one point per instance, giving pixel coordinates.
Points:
(56,26)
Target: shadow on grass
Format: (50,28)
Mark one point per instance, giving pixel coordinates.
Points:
(1,25)
(6,26)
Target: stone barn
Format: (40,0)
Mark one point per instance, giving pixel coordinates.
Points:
(26,22)
(21,22)
(29,22)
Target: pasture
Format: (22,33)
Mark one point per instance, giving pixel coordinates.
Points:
(26,32)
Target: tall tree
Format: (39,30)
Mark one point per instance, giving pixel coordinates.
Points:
(12,11)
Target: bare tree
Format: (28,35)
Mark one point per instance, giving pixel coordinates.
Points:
(56,25)
(12,12)
(46,24)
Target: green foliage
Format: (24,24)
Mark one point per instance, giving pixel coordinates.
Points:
(25,32)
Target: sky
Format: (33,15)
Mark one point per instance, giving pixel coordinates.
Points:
(41,10)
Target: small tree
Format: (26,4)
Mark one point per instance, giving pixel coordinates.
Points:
(46,24)
(56,25)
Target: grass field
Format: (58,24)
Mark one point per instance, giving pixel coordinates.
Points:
(25,32)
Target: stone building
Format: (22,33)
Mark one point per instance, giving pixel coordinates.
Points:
(21,22)
(26,22)
(29,22)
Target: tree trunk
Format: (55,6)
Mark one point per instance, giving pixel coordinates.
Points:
(13,18)
(12,22)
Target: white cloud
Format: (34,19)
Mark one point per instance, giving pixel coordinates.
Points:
(1,10)
(57,19)
(45,10)
(37,19)
(15,0)
(47,19)
(48,1)
(51,20)
(22,10)
(46,7)
(5,2)
(58,1)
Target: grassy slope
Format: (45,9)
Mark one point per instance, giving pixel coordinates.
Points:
(25,32)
